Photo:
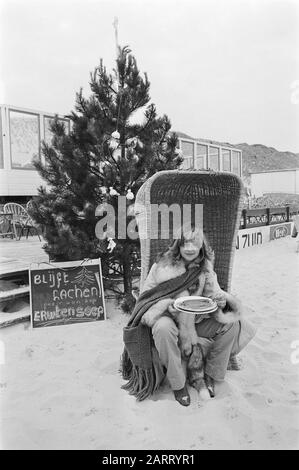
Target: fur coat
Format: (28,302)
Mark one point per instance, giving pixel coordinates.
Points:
(207,287)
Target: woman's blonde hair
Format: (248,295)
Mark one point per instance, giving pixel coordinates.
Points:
(186,233)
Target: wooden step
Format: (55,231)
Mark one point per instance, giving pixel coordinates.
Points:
(13,271)
(13,294)
(9,319)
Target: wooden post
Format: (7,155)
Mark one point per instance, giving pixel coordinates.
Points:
(288,213)
(268,216)
(244,214)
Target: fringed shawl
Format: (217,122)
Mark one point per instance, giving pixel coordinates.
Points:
(140,363)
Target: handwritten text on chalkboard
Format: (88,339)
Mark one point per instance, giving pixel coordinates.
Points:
(66,293)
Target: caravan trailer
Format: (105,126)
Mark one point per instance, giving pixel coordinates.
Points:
(23,130)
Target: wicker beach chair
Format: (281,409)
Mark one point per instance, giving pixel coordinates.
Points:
(221,196)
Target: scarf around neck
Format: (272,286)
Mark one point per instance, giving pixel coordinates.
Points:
(140,364)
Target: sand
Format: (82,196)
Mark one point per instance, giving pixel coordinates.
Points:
(60,387)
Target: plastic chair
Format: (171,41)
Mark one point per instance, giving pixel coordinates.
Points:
(221,196)
(20,219)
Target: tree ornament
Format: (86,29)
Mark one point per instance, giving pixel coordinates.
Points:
(131,142)
(130,195)
(113,144)
(103,190)
(134,142)
(140,143)
(114,140)
(88,206)
(115,135)
(113,192)
(117,154)
(111,244)
(81,215)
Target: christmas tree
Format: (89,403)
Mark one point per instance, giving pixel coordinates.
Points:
(105,155)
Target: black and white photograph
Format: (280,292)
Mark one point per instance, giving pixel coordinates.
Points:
(149,227)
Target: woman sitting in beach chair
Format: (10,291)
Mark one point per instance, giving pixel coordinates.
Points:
(151,337)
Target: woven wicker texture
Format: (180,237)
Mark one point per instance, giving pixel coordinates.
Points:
(221,195)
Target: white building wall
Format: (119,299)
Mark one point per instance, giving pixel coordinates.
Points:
(19,182)
(275,182)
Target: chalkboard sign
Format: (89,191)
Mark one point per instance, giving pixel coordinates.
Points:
(64,293)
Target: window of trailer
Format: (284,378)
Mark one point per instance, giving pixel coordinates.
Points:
(201,156)
(226,157)
(214,158)
(24,135)
(187,163)
(188,152)
(236,162)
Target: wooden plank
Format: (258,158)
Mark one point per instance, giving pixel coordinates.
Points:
(17,255)
(14,293)
(9,319)
(13,270)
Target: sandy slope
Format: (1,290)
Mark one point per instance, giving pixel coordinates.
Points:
(60,387)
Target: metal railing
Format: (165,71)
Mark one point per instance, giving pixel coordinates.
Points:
(266,216)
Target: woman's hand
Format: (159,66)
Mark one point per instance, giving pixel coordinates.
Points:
(148,319)
(234,304)
(234,312)
(155,312)
(220,299)
(173,311)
